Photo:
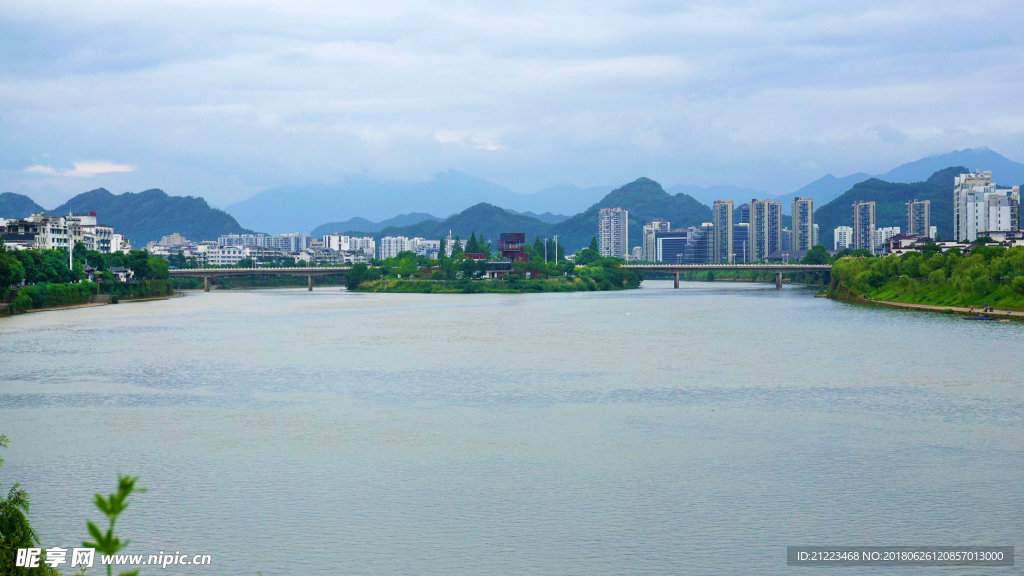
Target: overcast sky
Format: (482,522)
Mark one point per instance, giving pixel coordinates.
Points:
(225,98)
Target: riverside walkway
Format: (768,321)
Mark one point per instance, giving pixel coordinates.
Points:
(777,269)
(207,273)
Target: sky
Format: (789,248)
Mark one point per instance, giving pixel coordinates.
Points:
(222,99)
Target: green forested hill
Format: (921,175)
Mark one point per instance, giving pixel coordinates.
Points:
(145,216)
(891,204)
(645,200)
(486,220)
(17,205)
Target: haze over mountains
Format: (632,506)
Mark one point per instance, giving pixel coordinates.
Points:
(302,208)
(370,207)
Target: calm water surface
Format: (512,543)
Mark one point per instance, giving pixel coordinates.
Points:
(657,431)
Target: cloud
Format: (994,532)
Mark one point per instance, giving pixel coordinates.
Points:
(220,98)
(82,169)
(887,133)
(40,169)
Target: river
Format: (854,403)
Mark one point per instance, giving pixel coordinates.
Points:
(654,431)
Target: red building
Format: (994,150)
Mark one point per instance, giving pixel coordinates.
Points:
(512,245)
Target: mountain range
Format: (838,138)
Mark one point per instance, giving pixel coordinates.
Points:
(140,217)
(151,214)
(890,200)
(290,208)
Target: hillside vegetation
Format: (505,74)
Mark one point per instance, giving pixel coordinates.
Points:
(645,200)
(17,205)
(145,216)
(890,203)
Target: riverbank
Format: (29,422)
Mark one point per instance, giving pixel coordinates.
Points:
(94,301)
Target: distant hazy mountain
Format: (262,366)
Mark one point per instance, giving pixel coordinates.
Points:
(291,208)
(365,225)
(890,204)
(545,217)
(17,205)
(486,220)
(645,200)
(1005,172)
(708,195)
(145,216)
(823,190)
(564,199)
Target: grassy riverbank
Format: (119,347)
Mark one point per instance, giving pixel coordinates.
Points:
(989,275)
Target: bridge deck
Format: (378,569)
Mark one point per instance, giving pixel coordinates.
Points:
(784,268)
(226,272)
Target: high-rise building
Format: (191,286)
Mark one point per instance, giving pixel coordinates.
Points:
(919,217)
(842,238)
(882,235)
(979,206)
(933,232)
(670,245)
(864,226)
(613,232)
(814,235)
(744,211)
(765,228)
(786,240)
(803,223)
(721,219)
(650,249)
(741,242)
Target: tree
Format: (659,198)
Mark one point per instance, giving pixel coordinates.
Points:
(15,530)
(593,244)
(456,247)
(473,246)
(443,246)
(355,276)
(11,270)
(816,255)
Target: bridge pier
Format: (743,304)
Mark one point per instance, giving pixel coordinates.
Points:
(677,279)
(206,283)
(310,278)
(778,280)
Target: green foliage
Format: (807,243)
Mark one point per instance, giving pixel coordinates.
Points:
(149,215)
(11,270)
(816,255)
(112,506)
(593,244)
(991,274)
(47,295)
(355,276)
(15,530)
(645,200)
(18,206)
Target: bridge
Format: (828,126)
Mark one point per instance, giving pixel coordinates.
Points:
(207,273)
(778,269)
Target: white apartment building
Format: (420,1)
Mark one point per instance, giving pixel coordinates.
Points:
(224,255)
(979,206)
(288,242)
(613,232)
(341,243)
(424,247)
(242,240)
(882,235)
(390,246)
(63,231)
(842,238)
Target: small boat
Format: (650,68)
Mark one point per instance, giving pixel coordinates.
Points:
(980,317)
